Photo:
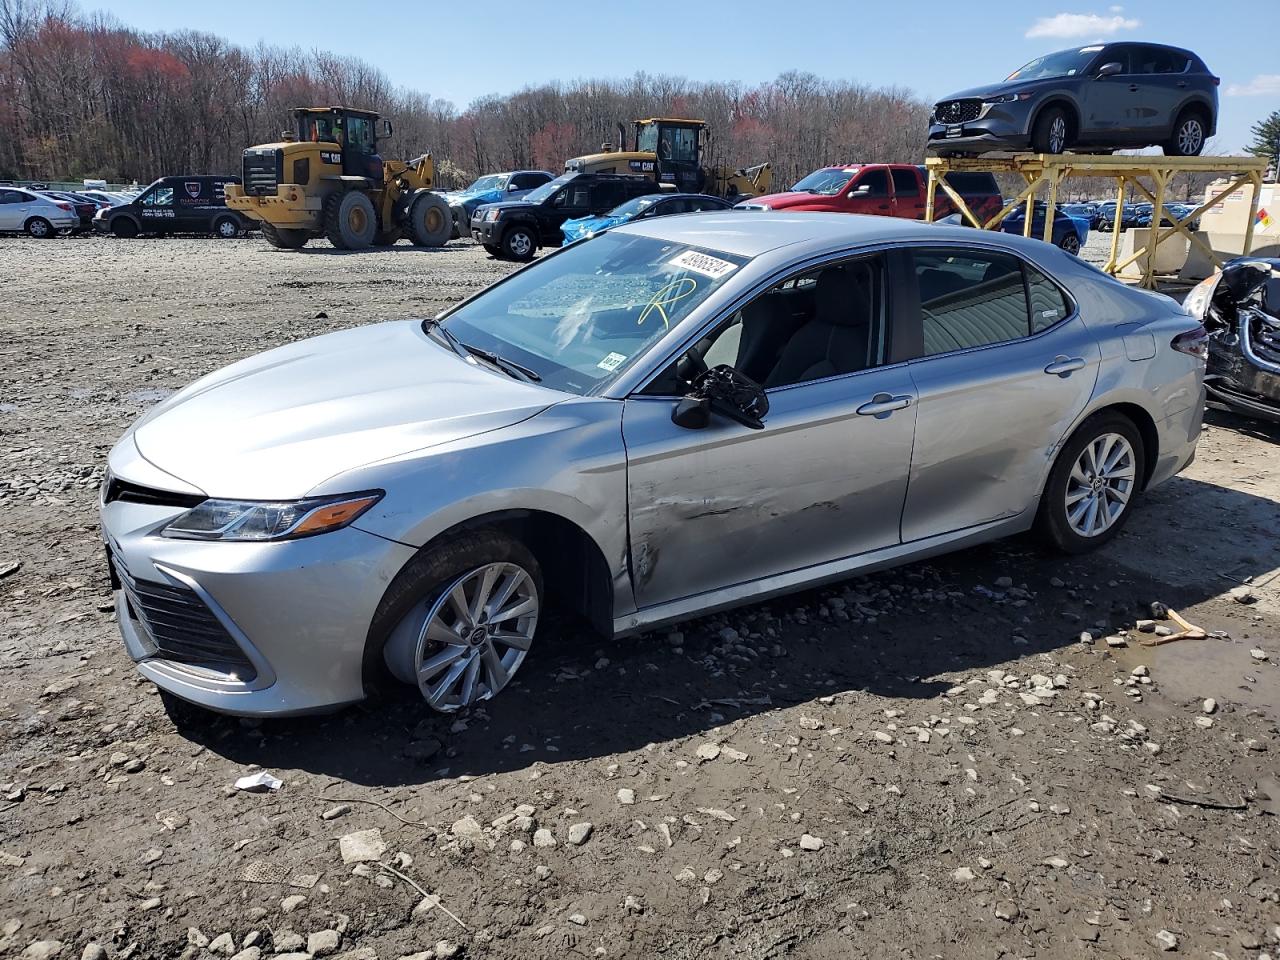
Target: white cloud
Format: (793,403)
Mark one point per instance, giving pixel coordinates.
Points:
(1076,25)
(1264,84)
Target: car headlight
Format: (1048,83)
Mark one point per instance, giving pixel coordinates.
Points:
(1197,301)
(492,214)
(259,520)
(1009,98)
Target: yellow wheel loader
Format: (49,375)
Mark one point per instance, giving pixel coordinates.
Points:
(669,152)
(328,180)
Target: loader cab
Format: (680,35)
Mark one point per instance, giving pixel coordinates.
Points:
(678,146)
(356,133)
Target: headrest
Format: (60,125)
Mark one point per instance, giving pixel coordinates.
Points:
(842,294)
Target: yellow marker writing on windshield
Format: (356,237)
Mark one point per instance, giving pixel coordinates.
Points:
(665,297)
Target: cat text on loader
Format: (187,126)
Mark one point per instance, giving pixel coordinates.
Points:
(327,180)
(670,152)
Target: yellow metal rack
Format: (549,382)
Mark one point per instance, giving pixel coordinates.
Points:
(1038,169)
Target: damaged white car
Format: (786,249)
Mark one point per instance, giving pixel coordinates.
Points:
(674,417)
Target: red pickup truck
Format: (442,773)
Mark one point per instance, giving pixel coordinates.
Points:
(885,189)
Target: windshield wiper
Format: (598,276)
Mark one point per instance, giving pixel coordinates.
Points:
(509,367)
(454,344)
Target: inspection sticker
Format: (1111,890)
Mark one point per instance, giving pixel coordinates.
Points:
(703,263)
(612,361)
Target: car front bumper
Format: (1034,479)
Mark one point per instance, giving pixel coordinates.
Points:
(292,617)
(488,232)
(994,131)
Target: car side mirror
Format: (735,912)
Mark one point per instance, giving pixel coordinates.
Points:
(692,413)
(862,191)
(512,187)
(1110,69)
(387,129)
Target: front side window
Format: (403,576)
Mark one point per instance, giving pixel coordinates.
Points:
(826,182)
(876,182)
(580,317)
(823,323)
(360,136)
(678,144)
(547,190)
(159,197)
(975,299)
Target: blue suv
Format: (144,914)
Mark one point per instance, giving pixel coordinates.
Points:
(491,188)
(1097,98)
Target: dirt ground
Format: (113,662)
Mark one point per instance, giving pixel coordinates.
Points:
(928,762)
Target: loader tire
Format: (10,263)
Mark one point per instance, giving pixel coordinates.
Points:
(350,221)
(387,238)
(430,220)
(284,238)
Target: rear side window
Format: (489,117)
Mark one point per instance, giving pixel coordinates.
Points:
(905,183)
(977,298)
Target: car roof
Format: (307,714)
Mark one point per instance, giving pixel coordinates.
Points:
(750,233)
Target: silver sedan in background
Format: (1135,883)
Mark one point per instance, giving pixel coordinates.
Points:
(675,417)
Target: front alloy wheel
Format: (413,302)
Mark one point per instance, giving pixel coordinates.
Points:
(1071,244)
(1100,485)
(466,644)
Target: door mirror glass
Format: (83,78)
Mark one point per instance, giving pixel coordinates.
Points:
(692,413)
(862,191)
(732,394)
(1110,69)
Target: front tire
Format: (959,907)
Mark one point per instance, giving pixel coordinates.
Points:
(1092,485)
(430,220)
(1188,136)
(459,620)
(519,244)
(226,228)
(1050,133)
(1071,244)
(124,227)
(40,228)
(350,221)
(493,251)
(284,238)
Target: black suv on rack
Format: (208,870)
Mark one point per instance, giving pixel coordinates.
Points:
(195,204)
(514,230)
(1097,98)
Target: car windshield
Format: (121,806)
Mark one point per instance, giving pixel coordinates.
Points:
(495,181)
(826,182)
(547,189)
(633,208)
(578,318)
(1064,63)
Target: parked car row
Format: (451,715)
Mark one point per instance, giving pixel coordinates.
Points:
(513,185)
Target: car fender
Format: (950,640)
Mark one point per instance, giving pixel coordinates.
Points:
(123,215)
(1057,99)
(1201,101)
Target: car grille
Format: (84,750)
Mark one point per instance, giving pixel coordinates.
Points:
(114,489)
(263,170)
(958,111)
(180,626)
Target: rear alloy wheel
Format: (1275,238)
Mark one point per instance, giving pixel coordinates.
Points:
(350,221)
(1050,132)
(1092,485)
(465,632)
(1188,137)
(519,244)
(285,238)
(40,228)
(226,227)
(1071,244)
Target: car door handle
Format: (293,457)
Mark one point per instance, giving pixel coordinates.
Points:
(1182,83)
(883,404)
(1065,366)
(1133,88)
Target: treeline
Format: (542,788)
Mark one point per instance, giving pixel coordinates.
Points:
(84,96)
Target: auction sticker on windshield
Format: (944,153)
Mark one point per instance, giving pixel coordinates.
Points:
(703,263)
(612,361)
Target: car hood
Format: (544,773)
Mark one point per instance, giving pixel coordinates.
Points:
(1007,86)
(579,228)
(277,425)
(781,201)
(509,205)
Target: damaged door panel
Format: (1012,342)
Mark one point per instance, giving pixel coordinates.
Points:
(728,504)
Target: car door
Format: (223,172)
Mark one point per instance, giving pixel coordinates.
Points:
(1165,81)
(824,478)
(12,209)
(868,192)
(158,207)
(908,197)
(1003,365)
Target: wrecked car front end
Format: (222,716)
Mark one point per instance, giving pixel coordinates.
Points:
(1239,308)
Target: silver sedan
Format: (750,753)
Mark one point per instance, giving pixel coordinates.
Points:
(675,417)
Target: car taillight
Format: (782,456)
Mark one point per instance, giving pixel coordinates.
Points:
(62,205)
(1194,343)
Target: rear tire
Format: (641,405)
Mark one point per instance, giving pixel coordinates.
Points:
(226,228)
(1073,483)
(1071,244)
(430,220)
(1050,133)
(387,238)
(124,227)
(350,221)
(1188,135)
(40,228)
(284,238)
(519,244)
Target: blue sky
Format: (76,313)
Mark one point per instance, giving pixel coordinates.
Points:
(931,47)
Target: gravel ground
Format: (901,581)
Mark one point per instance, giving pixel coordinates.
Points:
(970,757)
